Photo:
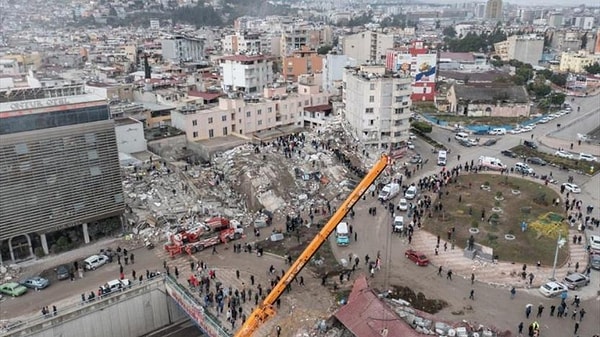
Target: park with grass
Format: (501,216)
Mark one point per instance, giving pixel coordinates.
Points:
(493,208)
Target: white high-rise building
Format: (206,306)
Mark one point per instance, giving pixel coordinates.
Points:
(377,106)
(182,49)
(367,46)
(246,73)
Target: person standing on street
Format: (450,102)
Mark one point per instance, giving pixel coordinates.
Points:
(513,292)
(520,328)
(472,295)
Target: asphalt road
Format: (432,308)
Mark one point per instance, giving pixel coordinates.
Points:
(492,306)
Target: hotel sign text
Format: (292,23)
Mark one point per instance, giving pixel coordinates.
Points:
(40,103)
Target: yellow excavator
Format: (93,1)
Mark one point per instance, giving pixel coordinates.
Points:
(265,309)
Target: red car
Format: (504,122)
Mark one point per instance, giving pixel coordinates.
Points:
(418,258)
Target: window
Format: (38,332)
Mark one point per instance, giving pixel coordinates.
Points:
(260,122)
(90,138)
(95,171)
(21,148)
(210,120)
(248,114)
(398,122)
(269,109)
(299,104)
(371,122)
(259,112)
(398,99)
(306,102)
(195,134)
(224,118)
(372,86)
(92,154)
(225,131)
(397,133)
(398,111)
(195,122)
(369,110)
(371,99)
(211,133)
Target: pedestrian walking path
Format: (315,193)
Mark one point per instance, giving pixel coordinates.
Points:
(500,274)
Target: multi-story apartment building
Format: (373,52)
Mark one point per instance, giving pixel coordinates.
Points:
(524,48)
(367,46)
(247,114)
(418,61)
(493,9)
(59,165)
(243,43)
(304,61)
(377,106)
(576,62)
(180,48)
(246,73)
(333,71)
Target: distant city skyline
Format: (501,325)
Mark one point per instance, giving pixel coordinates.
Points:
(548,3)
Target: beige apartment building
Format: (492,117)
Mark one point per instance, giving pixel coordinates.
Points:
(576,62)
(367,46)
(247,114)
(377,106)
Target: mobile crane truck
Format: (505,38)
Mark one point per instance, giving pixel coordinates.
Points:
(265,309)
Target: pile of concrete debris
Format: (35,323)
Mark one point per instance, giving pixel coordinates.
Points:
(284,176)
(426,326)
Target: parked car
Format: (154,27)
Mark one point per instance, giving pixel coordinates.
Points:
(530,144)
(537,161)
(576,280)
(587,157)
(572,188)
(563,154)
(465,143)
(35,282)
(523,168)
(552,289)
(595,261)
(13,289)
(418,258)
(403,205)
(95,261)
(416,159)
(490,142)
(509,154)
(411,145)
(62,272)
(595,243)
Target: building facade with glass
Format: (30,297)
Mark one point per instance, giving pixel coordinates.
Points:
(59,165)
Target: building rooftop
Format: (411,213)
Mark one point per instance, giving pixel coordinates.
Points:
(491,93)
(125,121)
(245,58)
(209,96)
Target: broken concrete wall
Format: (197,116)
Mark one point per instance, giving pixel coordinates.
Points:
(170,147)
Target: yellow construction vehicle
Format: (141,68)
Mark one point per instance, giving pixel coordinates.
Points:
(265,309)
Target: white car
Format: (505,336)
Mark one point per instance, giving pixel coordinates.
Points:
(544,120)
(587,157)
(563,154)
(403,205)
(411,145)
(515,131)
(572,188)
(595,243)
(552,289)
(527,128)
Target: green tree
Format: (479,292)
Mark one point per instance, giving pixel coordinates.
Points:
(593,68)
(323,50)
(558,79)
(547,73)
(557,98)
(421,127)
(449,32)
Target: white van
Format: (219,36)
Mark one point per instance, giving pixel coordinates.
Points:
(461,136)
(342,237)
(491,163)
(411,192)
(398,224)
(95,261)
(442,157)
(389,191)
(498,131)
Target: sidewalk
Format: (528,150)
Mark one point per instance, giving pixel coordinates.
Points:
(556,143)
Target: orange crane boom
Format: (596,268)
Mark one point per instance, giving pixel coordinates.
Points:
(265,309)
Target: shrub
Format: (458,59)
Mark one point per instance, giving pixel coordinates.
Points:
(422,127)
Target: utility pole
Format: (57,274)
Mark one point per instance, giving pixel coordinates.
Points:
(559,243)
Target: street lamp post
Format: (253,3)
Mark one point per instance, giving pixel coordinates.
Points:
(559,243)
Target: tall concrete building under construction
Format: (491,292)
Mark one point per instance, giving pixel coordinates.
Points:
(59,165)
(493,9)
